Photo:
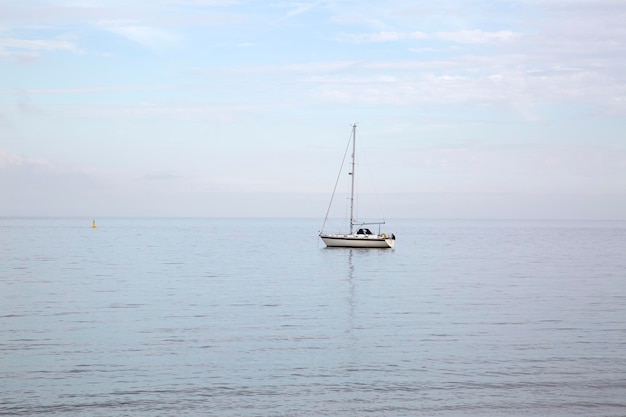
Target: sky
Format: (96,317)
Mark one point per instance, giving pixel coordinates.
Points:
(503,109)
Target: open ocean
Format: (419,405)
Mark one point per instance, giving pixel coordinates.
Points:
(255,317)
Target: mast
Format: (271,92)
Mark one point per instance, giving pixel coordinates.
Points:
(352,174)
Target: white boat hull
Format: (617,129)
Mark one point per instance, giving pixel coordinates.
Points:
(357,241)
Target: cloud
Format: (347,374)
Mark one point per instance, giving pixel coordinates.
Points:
(29,184)
(216,3)
(298,8)
(161,176)
(31,168)
(25,50)
(515,90)
(146,36)
(476,36)
(10,159)
(504,81)
(39,45)
(385,36)
(204,113)
(463,36)
(86,90)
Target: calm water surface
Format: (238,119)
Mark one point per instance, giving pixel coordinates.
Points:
(213,317)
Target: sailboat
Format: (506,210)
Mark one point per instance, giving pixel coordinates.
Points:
(363,238)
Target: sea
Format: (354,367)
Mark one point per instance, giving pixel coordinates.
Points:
(255,317)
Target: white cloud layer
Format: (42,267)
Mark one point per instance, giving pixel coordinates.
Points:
(463,36)
(186,98)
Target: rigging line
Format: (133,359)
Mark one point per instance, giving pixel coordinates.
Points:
(366,165)
(336,182)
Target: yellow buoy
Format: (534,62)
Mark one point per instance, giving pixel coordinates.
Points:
(93,225)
